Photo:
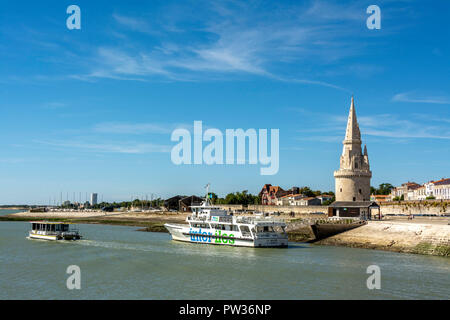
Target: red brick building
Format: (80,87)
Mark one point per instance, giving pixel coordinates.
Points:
(270,194)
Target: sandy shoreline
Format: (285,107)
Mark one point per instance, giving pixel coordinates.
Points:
(100,214)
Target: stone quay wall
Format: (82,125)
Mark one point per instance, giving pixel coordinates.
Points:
(281,209)
(438,208)
(416,207)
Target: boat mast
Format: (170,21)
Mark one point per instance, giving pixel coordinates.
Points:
(207,193)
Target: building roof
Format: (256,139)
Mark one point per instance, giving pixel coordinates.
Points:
(354,204)
(292,195)
(409,185)
(308,198)
(442,182)
(271,189)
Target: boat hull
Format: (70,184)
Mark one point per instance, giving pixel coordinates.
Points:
(185,234)
(42,237)
(52,237)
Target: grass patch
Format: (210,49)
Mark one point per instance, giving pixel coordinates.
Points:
(429,248)
(442,250)
(154,228)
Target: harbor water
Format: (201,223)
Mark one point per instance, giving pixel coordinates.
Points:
(117,262)
(4,212)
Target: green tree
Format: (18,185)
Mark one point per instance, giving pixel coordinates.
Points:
(385,188)
(307,191)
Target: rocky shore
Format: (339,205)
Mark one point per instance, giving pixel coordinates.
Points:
(399,236)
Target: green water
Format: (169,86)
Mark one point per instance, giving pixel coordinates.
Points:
(120,263)
(9,211)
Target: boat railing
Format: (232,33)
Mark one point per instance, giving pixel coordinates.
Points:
(245,220)
(255,220)
(196,218)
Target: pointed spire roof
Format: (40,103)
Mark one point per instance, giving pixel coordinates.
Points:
(352,132)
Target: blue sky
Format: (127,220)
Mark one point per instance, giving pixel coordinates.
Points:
(92,110)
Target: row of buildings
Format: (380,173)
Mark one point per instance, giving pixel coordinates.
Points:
(276,196)
(411,191)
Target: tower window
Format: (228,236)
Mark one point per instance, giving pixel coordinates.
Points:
(354,199)
(340,190)
(359,191)
(356,165)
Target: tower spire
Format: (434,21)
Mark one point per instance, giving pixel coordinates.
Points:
(352,132)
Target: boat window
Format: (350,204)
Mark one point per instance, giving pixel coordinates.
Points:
(244,229)
(52,227)
(264,229)
(199,225)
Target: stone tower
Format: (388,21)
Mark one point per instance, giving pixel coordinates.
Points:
(352,180)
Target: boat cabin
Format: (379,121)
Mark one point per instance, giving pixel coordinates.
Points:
(50,226)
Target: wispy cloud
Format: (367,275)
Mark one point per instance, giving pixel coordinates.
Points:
(123,147)
(378,125)
(135,128)
(409,97)
(235,38)
(54,105)
(134,23)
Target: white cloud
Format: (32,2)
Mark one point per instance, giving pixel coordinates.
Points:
(233,38)
(134,23)
(408,97)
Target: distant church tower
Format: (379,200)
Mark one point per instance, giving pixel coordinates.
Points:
(352,180)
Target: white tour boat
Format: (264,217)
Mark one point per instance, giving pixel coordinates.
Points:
(211,225)
(46,230)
